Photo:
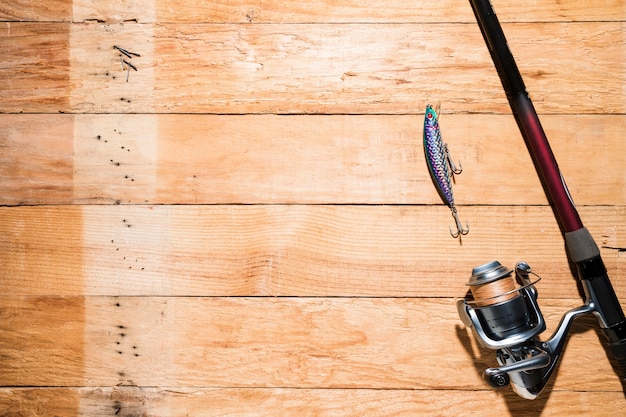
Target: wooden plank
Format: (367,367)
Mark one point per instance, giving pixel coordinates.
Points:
(375,343)
(328,68)
(261,402)
(209,159)
(285,250)
(304,68)
(342,68)
(34,76)
(306,11)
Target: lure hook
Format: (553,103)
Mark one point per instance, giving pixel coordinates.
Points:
(453,167)
(459,227)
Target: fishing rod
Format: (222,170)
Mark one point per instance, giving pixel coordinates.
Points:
(502,310)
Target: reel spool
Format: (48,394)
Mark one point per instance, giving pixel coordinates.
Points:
(501,312)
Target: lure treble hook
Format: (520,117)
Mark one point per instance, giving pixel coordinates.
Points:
(453,167)
(459,227)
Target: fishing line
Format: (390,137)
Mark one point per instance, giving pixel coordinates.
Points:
(494,292)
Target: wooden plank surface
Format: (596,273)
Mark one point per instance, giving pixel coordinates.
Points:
(247,227)
(375,343)
(264,402)
(305,11)
(285,250)
(295,68)
(355,159)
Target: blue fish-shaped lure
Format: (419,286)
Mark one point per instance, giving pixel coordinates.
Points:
(440,165)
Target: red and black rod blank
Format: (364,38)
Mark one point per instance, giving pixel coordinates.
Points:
(582,249)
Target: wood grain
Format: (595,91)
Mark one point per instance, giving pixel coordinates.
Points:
(27,10)
(341,68)
(34,75)
(273,11)
(318,68)
(379,11)
(375,343)
(43,337)
(37,159)
(42,251)
(216,159)
(264,402)
(278,250)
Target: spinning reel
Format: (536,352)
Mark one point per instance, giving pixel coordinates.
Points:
(503,313)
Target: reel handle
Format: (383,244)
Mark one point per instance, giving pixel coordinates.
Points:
(499,377)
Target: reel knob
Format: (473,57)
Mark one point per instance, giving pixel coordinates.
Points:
(496,377)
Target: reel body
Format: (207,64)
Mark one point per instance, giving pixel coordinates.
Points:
(503,314)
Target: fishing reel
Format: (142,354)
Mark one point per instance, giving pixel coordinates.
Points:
(503,313)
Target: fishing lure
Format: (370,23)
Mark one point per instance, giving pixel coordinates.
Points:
(441,166)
